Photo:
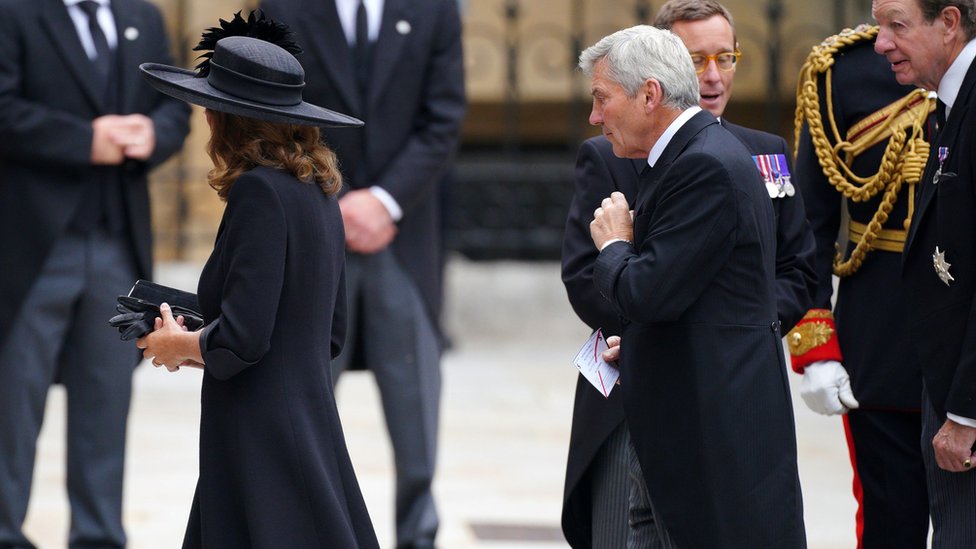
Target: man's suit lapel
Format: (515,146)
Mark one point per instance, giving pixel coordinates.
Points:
(645,185)
(675,147)
(398,23)
(639,164)
(61,30)
(129,52)
(950,131)
(684,136)
(325,34)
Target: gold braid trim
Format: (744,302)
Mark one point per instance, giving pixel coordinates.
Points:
(804,337)
(904,157)
(818,313)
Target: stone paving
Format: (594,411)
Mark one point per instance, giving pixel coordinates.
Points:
(508,390)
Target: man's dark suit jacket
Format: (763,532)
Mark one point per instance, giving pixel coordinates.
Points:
(48,98)
(413,112)
(942,317)
(704,385)
(599,173)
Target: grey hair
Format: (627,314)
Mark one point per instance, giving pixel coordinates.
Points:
(933,8)
(643,52)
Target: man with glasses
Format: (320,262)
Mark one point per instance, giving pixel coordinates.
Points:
(595,504)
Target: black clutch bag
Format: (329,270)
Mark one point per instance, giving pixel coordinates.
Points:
(139,310)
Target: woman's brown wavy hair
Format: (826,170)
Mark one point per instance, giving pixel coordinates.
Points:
(238,144)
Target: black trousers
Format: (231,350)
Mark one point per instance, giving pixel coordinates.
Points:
(400,346)
(889,478)
(62,335)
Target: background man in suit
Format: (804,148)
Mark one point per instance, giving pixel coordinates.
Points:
(692,276)
(596,493)
(875,116)
(397,65)
(79,130)
(932,44)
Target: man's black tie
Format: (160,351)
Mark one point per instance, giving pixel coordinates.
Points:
(362,49)
(103,54)
(645,174)
(103,204)
(940,115)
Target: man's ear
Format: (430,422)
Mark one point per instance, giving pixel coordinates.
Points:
(653,94)
(951,18)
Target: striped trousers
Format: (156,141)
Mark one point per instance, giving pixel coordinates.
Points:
(646,529)
(623,515)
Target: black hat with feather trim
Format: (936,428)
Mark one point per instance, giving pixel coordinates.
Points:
(248,69)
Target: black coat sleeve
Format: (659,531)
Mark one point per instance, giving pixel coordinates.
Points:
(594,182)
(32,132)
(339,328)
(796,276)
(689,237)
(254,250)
(170,116)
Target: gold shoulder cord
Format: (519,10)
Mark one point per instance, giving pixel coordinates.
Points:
(900,122)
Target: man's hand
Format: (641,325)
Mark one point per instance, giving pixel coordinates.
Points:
(612,354)
(953,446)
(136,134)
(116,138)
(612,220)
(369,227)
(105,151)
(826,388)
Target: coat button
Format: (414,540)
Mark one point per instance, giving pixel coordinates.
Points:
(774,327)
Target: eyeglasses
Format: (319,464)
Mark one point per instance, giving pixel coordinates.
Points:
(725,61)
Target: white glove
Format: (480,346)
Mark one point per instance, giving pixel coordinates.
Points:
(826,388)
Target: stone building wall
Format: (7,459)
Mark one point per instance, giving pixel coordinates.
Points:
(537,86)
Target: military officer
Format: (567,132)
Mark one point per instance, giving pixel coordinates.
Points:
(861,147)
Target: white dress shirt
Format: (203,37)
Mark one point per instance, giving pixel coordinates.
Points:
(105,20)
(952,80)
(347,16)
(374,17)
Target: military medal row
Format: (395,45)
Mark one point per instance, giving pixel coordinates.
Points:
(776,174)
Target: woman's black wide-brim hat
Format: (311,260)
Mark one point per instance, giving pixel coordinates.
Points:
(248,77)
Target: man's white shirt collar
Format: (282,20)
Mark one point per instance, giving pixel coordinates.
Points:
(658,149)
(951,81)
(105,21)
(346,10)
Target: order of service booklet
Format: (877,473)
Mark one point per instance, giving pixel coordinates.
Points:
(600,373)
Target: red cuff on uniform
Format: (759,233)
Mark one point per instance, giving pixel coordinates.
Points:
(813,339)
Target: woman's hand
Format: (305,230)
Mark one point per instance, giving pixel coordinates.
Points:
(170,344)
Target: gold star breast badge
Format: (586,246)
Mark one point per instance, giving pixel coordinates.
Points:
(941,266)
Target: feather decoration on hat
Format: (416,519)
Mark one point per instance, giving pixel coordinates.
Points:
(255,26)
